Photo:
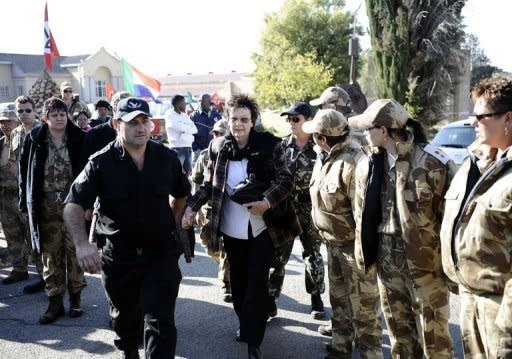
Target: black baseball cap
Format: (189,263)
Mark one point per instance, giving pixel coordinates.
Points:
(102,103)
(131,107)
(298,108)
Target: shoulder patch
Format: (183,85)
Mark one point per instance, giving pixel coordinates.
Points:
(437,153)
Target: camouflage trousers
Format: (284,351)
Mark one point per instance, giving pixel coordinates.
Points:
(355,306)
(313,261)
(416,315)
(15,228)
(481,336)
(61,268)
(218,255)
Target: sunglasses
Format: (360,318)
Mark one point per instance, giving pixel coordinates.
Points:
(485,115)
(27,110)
(68,91)
(293,119)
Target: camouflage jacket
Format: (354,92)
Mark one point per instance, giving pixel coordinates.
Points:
(421,182)
(332,190)
(300,163)
(476,234)
(8,165)
(18,136)
(266,153)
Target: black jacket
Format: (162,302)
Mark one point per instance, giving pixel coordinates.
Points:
(33,157)
(97,138)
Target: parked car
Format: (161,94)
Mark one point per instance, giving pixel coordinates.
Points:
(454,138)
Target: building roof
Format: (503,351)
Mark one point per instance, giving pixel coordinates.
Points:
(30,64)
(201,78)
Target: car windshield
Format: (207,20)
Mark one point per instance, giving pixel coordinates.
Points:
(456,137)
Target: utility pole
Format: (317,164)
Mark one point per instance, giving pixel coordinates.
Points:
(353,52)
(353,49)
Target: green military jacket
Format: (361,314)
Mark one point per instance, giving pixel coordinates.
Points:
(332,189)
(477,235)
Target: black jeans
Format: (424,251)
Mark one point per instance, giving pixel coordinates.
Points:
(249,262)
(142,284)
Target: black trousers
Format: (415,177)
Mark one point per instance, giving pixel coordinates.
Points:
(142,284)
(249,262)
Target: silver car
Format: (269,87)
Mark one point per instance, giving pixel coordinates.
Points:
(454,138)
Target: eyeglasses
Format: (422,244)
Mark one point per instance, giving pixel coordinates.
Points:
(485,115)
(241,119)
(294,119)
(68,91)
(27,110)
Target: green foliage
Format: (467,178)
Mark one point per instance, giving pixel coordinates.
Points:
(305,42)
(481,67)
(298,78)
(417,52)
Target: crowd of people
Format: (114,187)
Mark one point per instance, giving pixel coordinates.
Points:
(402,225)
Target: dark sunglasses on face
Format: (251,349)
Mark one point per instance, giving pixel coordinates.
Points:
(27,110)
(244,120)
(68,91)
(294,119)
(485,115)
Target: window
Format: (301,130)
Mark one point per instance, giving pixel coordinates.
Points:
(100,89)
(20,90)
(4,92)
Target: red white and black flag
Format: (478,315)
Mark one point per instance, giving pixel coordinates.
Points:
(50,47)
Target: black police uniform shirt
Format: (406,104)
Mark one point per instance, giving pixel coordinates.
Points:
(134,205)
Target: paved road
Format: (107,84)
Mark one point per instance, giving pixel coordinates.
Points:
(206,325)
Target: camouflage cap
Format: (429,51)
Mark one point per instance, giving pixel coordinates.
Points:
(381,113)
(220,126)
(8,116)
(65,85)
(118,96)
(333,94)
(328,123)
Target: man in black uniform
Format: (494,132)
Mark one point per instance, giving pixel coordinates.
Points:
(133,179)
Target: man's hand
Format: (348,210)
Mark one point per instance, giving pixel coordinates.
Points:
(258,207)
(88,215)
(201,219)
(188,218)
(88,257)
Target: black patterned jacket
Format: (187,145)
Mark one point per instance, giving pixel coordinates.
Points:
(266,153)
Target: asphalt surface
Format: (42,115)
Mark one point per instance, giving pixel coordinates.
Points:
(206,325)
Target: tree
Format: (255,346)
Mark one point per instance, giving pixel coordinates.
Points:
(303,49)
(481,67)
(416,47)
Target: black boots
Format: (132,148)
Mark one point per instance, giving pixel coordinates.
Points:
(54,311)
(75,309)
(15,277)
(131,354)
(317,307)
(254,352)
(272,306)
(35,287)
(325,330)
(56,308)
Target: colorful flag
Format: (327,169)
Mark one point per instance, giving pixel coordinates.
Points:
(217,101)
(109,90)
(139,84)
(50,47)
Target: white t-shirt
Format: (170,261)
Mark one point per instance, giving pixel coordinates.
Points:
(180,129)
(235,218)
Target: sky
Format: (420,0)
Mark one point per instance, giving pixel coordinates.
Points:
(176,37)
